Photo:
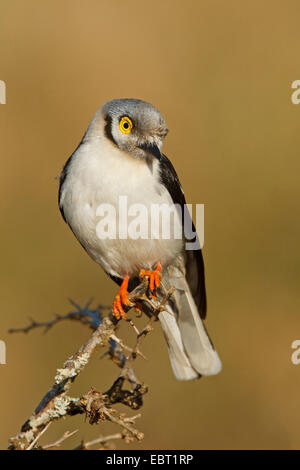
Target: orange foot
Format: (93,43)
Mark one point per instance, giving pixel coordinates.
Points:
(120,300)
(154,277)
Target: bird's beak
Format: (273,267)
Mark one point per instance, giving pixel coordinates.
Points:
(151,148)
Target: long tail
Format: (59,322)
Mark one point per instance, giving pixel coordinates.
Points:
(191,351)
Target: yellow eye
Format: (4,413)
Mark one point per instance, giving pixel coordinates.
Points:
(126,125)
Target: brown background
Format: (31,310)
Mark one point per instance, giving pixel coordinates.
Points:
(221,74)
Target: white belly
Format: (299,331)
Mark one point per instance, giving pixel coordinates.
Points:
(95,179)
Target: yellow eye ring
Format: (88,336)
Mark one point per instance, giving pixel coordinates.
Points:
(126,125)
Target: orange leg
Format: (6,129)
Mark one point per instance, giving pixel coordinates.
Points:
(154,277)
(120,300)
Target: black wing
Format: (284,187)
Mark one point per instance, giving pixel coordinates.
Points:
(64,174)
(62,179)
(193,258)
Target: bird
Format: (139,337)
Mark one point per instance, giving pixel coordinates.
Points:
(120,155)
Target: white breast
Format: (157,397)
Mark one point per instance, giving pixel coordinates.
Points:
(99,173)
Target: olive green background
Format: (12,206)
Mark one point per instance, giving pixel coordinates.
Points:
(220,72)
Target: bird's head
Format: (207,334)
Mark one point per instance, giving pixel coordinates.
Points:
(135,126)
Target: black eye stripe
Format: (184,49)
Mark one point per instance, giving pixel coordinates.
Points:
(107,128)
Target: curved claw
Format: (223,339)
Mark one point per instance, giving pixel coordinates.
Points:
(120,300)
(154,277)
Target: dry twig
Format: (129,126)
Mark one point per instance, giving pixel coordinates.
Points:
(97,406)
(57,443)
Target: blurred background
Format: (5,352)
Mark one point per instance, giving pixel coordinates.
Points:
(221,74)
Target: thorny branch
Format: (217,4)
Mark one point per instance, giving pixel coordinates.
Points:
(84,315)
(95,405)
